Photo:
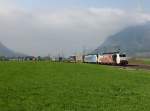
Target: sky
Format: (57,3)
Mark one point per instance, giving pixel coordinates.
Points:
(42,27)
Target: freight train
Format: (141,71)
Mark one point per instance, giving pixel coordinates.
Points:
(106,58)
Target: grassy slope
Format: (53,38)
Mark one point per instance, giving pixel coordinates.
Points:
(72,87)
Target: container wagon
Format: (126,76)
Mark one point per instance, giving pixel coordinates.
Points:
(90,59)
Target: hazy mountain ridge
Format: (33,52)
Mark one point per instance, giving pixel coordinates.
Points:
(4,51)
(135,41)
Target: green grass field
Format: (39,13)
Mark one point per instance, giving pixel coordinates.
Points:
(44,86)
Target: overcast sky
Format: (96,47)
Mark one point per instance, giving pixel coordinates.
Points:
(42,27)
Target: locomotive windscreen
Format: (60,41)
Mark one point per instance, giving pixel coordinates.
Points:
(122,55)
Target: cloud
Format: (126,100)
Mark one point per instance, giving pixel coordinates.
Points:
(43,32)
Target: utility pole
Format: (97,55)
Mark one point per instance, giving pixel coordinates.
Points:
(84,50)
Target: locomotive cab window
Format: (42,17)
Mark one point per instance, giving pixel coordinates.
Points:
(122,55)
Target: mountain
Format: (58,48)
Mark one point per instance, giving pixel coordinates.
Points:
(134,41)
(4,51)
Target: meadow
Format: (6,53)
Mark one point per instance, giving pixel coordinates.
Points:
(144,61)
(46,86)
